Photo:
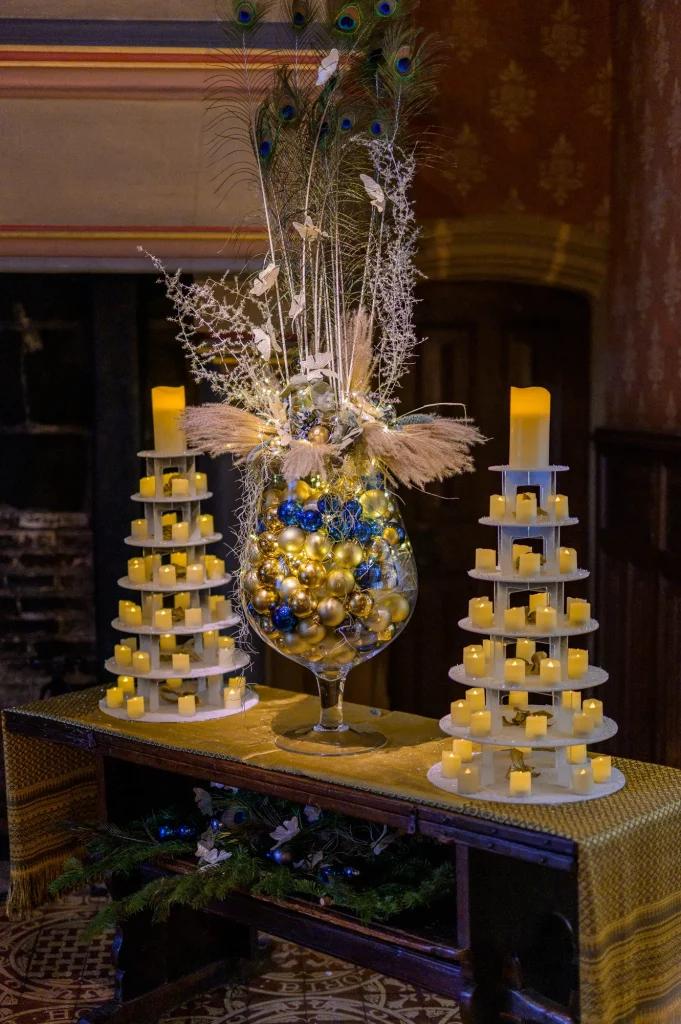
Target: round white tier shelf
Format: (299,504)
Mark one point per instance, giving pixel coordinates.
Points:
(172,545)
(170,714)
(543,523)
(203,496)
(532,469)
(545,789)
(592,677)
(529,581)
(123,627)
(180,588)
(529,632)
(170,455)
(514,735)
(241,660)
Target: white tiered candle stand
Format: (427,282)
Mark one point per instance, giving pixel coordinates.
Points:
(548,754)
(206,667)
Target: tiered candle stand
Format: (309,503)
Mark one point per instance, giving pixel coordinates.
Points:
(548,755)
(209,663)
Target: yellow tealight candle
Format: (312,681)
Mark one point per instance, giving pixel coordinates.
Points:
(124,607)
(538,601)
(141,662)
(126,684)
(602,768)
(474,664)
(481,723)
(181,663)
(578,612)
(215,568)
(114,697)
(482,612)
(485,559)
(232,696)
(219,607)
(595,709)
(226,643)
(186,705)
(151,564)
(497,506)
(179,532)
(178,559)
(201,483)
(210,638)
(576,754)
(536,726)
(473,649)
(578,663)
(167,405)
(567,560)
(148,487)
(169,519)
(206,526)
(167,642)
(122,655)
(163,619)
(549,670)
(530,424)
(557,506)
(525,649)
(529,564)
(582,724)
(135,707)
(520,783)
(139,529)
(476,698)
(526,507)
(182,600)
(582,780)
(461,714)
(520,549)
(464,748)
(469,780)
(238,681)
(195,573)
(179,487)
(451,764)
(514,618)
(514,670)
(131,642)
(571,700)
(167,576)
(133,616)
(546,619)
(137,570)
(193,617)
(518,699)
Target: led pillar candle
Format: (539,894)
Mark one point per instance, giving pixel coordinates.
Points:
(518,699)
(215,568)
(497,506)
(582,724)
(485,559)
(193,617)
(163,619)
(186,705)
(595,709)
(578,663)
(538,601)
(131,642)
(514,618)
(481,612)
(167,576)
(451,764)
(481,723)
(114,697)
(122,656)
(179,560)
(151,564)
(232,697)
(206,525)
(210,638)
(182,600)
(460,711)
(473,649)
(469,780)
(546,619)
(126,684)
(520,549)
(536,726)
(181,663)
(135,707)
(201,483)
(167,643)
(474,664)
(549,671)
(167,405)
(169,519)
(239,681)
(464,748)
(141,662)
(571,700)
(148,487)
(578,612)
(525,649)
(476,699)
(179,487)
(139,529)
(567,560)
(530,422)
(602,768)
(514,670)
(133,616)
(582,780)
(219,607)
(179,532)
(520,783)
(526,507)
(577,754)
(137,571)
(529,564)
(195,573)
(557,506)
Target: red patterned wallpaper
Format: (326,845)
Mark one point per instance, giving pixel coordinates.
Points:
(526,109)
(643,353)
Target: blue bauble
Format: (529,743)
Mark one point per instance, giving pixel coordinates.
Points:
(368,575)
(165,832)
(186,831)
(290,512)
(261,527)
(354,508)
(239,817)
(251,610)
(311,520)
(215,824)
(329,503)
(401,532)
(284,618)
(340,525)
(282,856)
(363,532)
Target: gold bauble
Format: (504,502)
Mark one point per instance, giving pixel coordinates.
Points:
(312,630)
(397,605)
(291,539)
(344,655)
(318,545)
(263,598)
(340,582)
(294,644)
(386,634)
(294,563)
(374,503)
(253,553)
(271,518)
(379,620)
(268,570)
(250,581)
(301,602)
(331,611)
(303,491)
(271,497)
(360,603)
(268,542)
(348,554)
(312,574)
(379,549)
(288,586)
(329,645)
(391,535)
(318,434)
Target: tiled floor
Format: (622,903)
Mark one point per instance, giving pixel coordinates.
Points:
(47,973)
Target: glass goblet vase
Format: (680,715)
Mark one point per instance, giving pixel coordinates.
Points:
(329,580)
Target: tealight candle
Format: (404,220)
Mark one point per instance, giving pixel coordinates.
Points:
(210,638)
(582,780)
(181,663)
(215,569)
(151,564)
(482,612)
(476,699)
(460,711)
(201,483)
(174,684)
(179,487)
(135,707)
(595,709)
(481,723)
(492,649)
(193,617)
(114,697)
(232,697)
(186,705)
(525,649)
(514,618)
(148,487)
(497,506)
(469,780)
(529,564)
(567,560)
(520,783)
(549,670)
(167,405)
(239,681)
(167,642)
(485,559)
(538,601)
(602,768)
(518,699)
(570,700)
(195,573)
(526,507)
(139,529)
(451,764)
(206,527)
(169,519)
(474,649)
(582,724)
(150,602)
(182,600)
(226,651)
(536,726)
(137,570)
(133,615)
(219,607)
(131,642)
(514,670)
(557,506)
(576,754)
(464,748)
(124,607)
(179,532)
(163,619)
(141,662)
(474,664)
(122,655)
(178,559)
(546,619)
(167,576)
(578,612)
(530,423)
(521,549)
(578,663)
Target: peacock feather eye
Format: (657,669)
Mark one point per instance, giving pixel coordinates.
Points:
(323,130)
(245,14)
(264,149)
(404,63)
(385,8)
(287,111)
(349,19)
(377,128)
(346,123)
(300,14)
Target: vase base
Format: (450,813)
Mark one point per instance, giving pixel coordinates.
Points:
(308,739)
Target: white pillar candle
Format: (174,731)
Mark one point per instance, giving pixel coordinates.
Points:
(582,724)
(163,619)
(514,670)
(135,707)
(193,617)
(137,570)
(195,573)
(122,655)
(469,780)
(460,712)
(167,405)
(530,424)
(481,723)
(474,664)
(578,663)
(567,560)
(595,709)
(549,670)
(538,601)
(206,527)
(181,663)
(497,506)
(536,726)
(571,700)
(577,753)
(518,699)
(215,569)
(485,559)
(546,619)
(179,532)
(464,748)
(578,612)
(141,662)
(126,684)
(529,564)
(514,618)
(557,506)
(167,576)
(186,705)
(139,529)
(201,483)
(582,780)
(179,487)
(526,507)
(148,487)
(114,697)
(232,698)
(451,764)
(482,613)
(476,698)
(602,768)
(525,649)
(520,783)
(167,642)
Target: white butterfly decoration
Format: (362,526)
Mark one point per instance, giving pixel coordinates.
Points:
(297,305)
(283,833)
(374,191)
(209,857)
(314,367)
(265,341)
(308,231)
(265,280)
(328,67)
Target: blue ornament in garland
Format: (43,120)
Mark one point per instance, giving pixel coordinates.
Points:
(261,527)
(354,508)
(284,618)
(363,532)
(311,519)
(329,503)
(341,525)
(290,512)
(368,575)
